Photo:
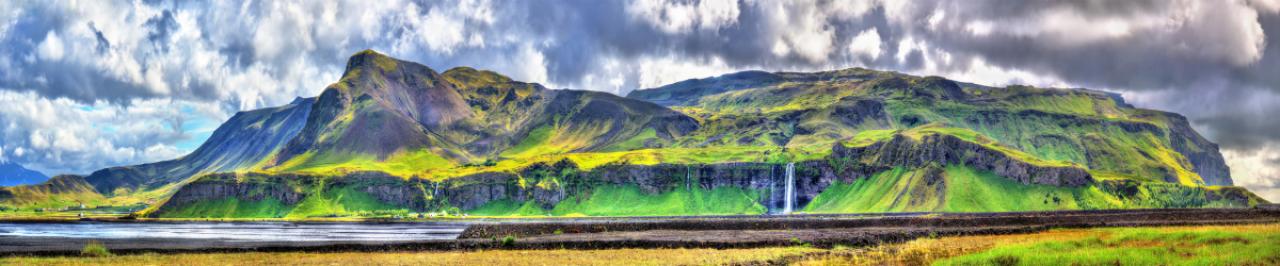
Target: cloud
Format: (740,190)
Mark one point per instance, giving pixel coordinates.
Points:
(684,16)
(866,45)
(1259,170)
(61,135)
(51,47)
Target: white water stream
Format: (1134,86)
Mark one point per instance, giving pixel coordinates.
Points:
(790,192)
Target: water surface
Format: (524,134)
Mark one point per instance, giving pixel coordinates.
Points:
(238,231)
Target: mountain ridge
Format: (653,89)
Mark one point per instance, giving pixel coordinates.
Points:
(13,174)
(394,136)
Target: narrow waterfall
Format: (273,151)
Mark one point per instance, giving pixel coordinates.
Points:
(790,194)
(688,177)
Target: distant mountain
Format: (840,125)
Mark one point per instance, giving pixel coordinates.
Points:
(12,174)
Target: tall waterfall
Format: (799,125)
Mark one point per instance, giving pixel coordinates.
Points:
(790,194)
(688,177)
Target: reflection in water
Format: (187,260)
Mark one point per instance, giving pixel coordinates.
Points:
(239,231)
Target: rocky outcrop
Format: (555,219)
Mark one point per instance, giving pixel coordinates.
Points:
(942,149)
(246,187)
(1200,152)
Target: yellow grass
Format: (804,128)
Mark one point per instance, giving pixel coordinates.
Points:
(925,251)
(492,258)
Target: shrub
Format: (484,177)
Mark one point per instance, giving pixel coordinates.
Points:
(95,249)
(508,241)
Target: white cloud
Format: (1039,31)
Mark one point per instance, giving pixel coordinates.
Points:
(440,32)
(866,45)
(680,17)
(51,48)
(654,72)
(804,29)
(60,135)
(1257,170)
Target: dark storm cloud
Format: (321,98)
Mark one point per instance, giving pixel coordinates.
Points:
(159,28)
(103,43)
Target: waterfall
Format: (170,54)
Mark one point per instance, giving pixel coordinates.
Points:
(790,192)
(688,177)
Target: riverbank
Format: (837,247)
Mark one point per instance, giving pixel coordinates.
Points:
(1254,244)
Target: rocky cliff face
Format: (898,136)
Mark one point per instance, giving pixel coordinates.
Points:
(1202,153)
(254,188)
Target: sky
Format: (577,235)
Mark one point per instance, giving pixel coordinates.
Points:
(92,84)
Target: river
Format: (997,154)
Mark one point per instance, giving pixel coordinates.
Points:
(237,231)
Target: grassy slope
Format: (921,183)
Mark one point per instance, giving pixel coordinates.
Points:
(631,201)
(231,208)
(322,201)
(969,190)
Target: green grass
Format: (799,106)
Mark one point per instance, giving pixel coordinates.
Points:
(629,200)
(230,208)
(1139,246)
(403,164)
(95,249)
(963,190)
(341,201)
(529,145)
(969,190)
(870,194)
(635,142)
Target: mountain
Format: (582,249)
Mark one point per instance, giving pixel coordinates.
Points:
(393,137)
(405,118)
(12,174)
(59,191)
(1094,129)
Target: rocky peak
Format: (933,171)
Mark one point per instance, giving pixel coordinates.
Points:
(368,59)
(470,78)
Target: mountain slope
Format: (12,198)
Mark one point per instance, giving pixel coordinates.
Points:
(405,118)
(59,191)
(245,139)
(1094,129)
(12,174)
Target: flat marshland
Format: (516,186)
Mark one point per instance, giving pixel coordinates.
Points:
(1256,244)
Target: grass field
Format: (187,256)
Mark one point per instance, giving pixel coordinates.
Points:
(963,189)
(1186,245)
(631,201)
(492,257)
